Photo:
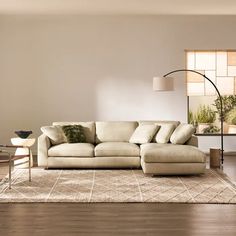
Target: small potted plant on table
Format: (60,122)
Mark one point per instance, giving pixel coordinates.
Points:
(205,117)
(228,102)
(231,120)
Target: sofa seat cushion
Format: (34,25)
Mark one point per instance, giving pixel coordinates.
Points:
(116,149)
(72,150)
(171,153)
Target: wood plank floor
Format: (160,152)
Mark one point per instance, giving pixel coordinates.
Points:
(117,219)
(120,219)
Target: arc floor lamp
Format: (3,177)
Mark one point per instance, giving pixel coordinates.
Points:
(166,83)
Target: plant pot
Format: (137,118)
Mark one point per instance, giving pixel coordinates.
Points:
(232,129)
(225,128)
(201,127)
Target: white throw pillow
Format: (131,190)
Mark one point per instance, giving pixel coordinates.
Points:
(144,134)
(182,134)
(163,135)
(54,133)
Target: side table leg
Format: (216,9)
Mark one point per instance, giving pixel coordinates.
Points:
(30,155)
(9,173)
(23,162)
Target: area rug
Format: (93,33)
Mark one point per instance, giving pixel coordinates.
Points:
(116,186)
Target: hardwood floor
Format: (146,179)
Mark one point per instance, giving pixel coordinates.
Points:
(230,167)
(117,219)
(120,219)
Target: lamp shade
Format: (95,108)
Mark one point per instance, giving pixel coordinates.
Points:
(163,84)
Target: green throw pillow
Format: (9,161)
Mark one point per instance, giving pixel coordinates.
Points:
(74,133)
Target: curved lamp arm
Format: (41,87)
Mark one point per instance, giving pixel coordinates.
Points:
(196,72)
(221,105)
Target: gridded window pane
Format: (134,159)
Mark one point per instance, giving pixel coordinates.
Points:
(205,61)
(209,88)
(221,63)
(195,89)
(219,66)
(195,78)
(232,58)
(225,85)
(231,70)
(191,60)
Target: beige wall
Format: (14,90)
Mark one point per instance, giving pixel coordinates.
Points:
(61,68)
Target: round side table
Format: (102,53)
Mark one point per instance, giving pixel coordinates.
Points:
(27,142)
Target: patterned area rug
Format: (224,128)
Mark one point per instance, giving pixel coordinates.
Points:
(116,186)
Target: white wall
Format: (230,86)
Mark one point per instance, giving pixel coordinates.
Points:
(55,68)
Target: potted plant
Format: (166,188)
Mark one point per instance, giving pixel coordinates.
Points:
(191,119)
(228,102)
(204,116)
(231,120)
(212,129)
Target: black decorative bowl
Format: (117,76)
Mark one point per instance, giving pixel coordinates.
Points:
(23,133)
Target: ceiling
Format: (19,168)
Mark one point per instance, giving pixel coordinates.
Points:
(133,7)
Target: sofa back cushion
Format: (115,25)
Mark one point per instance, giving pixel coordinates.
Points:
(55,134)
(182,134)
(74,133)
(114,131)
(88,128)
(159,122)
(144,134)
(164,133)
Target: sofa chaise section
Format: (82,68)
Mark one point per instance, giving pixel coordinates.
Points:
(172,159)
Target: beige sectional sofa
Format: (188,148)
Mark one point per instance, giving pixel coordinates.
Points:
(108,147)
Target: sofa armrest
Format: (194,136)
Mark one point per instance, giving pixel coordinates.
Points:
(193,141)
(43,146)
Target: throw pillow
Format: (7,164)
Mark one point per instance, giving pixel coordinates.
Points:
(143,134)
(182,134)
(54,133)
(164,133)
(74,133)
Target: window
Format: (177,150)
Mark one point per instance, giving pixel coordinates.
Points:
(220,67)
